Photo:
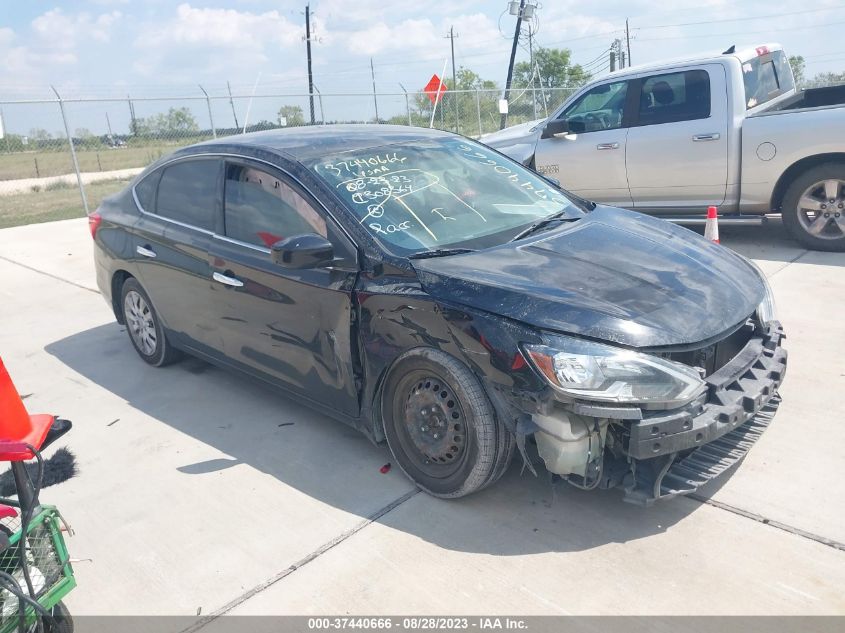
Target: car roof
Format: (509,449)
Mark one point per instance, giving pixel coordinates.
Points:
(308,142)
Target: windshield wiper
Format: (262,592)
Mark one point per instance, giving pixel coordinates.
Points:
(560,216)
(440,252)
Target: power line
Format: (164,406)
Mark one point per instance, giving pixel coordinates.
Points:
(743,19)
(790,29)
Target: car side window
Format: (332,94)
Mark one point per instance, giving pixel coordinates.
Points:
(682,96)
(600,108)
(145,190)
(187,192)
(262,209)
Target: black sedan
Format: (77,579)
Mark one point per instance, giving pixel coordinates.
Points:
(438,296)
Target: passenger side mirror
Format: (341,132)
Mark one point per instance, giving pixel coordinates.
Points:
(555,127)
(302,251)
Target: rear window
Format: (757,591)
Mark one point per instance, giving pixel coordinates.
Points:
(765,77)
(187,192)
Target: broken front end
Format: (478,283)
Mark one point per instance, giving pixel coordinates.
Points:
(658,424)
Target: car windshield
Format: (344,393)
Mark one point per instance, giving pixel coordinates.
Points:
(441,193)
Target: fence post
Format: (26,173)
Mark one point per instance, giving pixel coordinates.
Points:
(72,152)
(210,116)
(478,109)
(407,104)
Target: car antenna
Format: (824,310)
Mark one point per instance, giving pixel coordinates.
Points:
(731,50)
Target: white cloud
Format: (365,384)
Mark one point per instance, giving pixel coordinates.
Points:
(227,28)
(55,29)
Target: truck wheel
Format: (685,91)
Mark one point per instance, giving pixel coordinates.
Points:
(814,208)
(441,427)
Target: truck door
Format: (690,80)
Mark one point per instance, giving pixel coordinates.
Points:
(590,159)
(677,156)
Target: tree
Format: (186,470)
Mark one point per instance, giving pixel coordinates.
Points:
(39,134)
(467,97)
(83,132)
(292,114)
(798,65)
(555,72)
(174,122)
(826,79)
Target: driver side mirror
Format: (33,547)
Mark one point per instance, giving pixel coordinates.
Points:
(302,251)
(555,127)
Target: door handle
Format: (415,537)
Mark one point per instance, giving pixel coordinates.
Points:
(229,281)
(713,136)
(146,251)
(607,146)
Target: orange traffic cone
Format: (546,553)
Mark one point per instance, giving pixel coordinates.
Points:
(17,427)
(711,227)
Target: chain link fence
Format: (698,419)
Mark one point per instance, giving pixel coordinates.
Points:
(60,157)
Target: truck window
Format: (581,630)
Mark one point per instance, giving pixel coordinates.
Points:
(681,96)
(600,108)
(766,77)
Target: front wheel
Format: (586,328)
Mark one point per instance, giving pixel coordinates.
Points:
(814,208)
(441,427)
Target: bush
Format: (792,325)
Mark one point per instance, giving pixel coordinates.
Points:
(57,185)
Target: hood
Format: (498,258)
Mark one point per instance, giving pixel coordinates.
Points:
(517,141)
(614,275)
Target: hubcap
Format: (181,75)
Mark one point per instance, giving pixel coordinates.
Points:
(821,209)
(435,421)
(139,320)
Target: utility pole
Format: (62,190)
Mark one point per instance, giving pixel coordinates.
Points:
(628,40)
(108,125)
(504,118)
(622,65)
(531,57)
(133,124)
(612,60)
(232,103)
(452,37)
(375,99)
(308,51)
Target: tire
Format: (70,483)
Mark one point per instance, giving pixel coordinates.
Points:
(441,427)
(60,620)
(144,327)
(807,200)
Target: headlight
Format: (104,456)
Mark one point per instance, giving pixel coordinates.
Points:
(766,310)
(592,371)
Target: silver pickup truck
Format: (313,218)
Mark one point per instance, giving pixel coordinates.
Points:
(673,138)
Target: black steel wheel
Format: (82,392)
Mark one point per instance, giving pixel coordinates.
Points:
(144,327)
(441,427)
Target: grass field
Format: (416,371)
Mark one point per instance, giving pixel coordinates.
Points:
(54,203)
(56,163)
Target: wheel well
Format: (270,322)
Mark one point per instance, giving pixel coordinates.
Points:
(798,168)
(117,282)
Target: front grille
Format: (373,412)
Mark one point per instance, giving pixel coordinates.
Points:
(716,355)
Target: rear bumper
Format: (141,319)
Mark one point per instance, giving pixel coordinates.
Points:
(677,452)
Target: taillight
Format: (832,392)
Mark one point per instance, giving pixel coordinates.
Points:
(94,223)
(762,50)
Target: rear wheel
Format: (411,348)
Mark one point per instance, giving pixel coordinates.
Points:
(441,427)
(144,327)
(814,208)
(59,620)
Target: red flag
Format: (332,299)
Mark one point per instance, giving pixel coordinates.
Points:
(431,88)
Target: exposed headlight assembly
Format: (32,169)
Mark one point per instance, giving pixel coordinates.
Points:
(592,371)
(766,310)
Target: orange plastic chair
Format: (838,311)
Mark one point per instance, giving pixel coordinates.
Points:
(17,427)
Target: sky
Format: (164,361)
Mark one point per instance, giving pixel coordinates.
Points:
(157,48)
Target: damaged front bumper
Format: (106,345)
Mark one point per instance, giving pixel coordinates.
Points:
(660,454)
(676,452)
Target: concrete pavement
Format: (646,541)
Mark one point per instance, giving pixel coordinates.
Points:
(197,492)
